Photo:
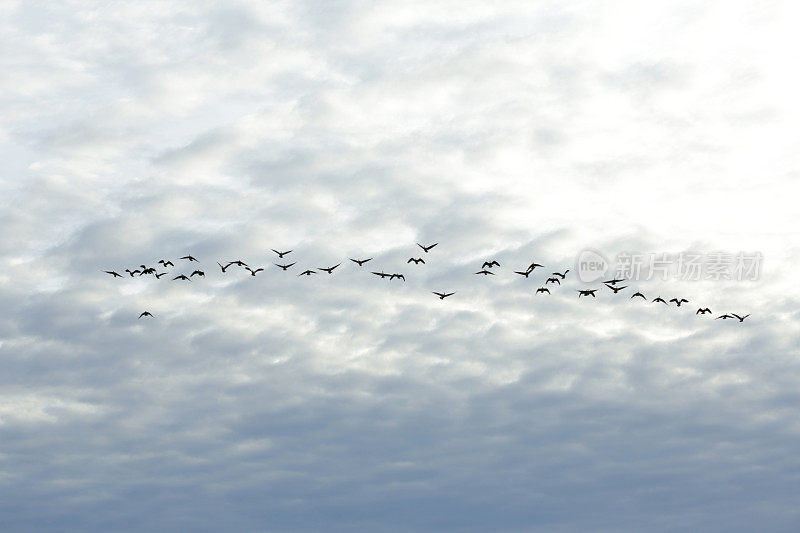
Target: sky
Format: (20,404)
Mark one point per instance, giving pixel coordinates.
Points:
(512,131)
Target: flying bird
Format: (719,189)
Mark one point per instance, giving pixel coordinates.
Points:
(306,272)
(284,267)
(224,268)
(330,270)
(589,292)
(145,313)
(416,261)
(426,248)
(381,274)
(660,299)
(190,258)
(534,265)
(545,289)
(564,275)
(679,302)
(723,317)
(165,263)
(552,280)
(281,254)
(360,262)
(113,273)
(253,272)
(616,289)
(398,276)
(132,272)
(485,272)
(526,273)
(238,262)
(637,293)
(182,276)
(443,295)
(741,318)
(199,273)
(613,281)
(158,276)
(703,311)
(490,264)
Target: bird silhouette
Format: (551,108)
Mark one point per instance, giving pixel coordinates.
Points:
(660,299)
(485,272)
(741,318)
(224,268)
(190,258)
(330,270)
(679,302)
(281,254)
(490,264)
(113,273)
(158,276)
(382,274)
(613,281)
(534,265)
(723,317)
(165,263)
(637,293)
(199,273)
(398,276)
(146,313)
(443,295)
(360,262)
(238,262)
(589,292)
(616,289)
(253,272)
(552,280)
(306,272)
(526,273)
(416,261)
(545,289)
(564,275)
(150,270)
(284,267)
(182,276)
(703,311)
(426,248)
(132,272)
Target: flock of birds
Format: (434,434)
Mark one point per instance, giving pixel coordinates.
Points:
(486,270)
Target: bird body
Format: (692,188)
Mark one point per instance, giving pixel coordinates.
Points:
(190,258)
(526,273)
(253,272)
(534,265)
(443,295)
(552,280)
(360,262)
(198,273)
(330,270)
(485,273)
(113,273)
(679,302)
(381,274)
(703,311)
(660,299)
(426,248)
(616,289)
(741,318)
(562,276)
(182,276)
(165,263)
(589,292)
(545,289)
(416,261)
(637,293)
(284,267)
(145,313)
(490,264)
(306,272)
(281,254)
(398,276)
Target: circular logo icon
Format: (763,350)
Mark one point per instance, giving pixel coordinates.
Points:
(591,266)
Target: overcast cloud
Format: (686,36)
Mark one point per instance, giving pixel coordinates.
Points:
(517,131)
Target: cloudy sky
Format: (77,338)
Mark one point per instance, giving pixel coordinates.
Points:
(516,131)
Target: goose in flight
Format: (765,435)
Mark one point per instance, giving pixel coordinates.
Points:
(398,276)
(490,264)
(253,272)
(182,276)
(545,289)
(150,270)
(562,276)
(637,293)
(281,254)
(199,273)
(589,292)
(426,248)
(679,302)
(485,272)
(703,311)
(613,281)
(158,276)
(526,273)
(382,274)
(660,299)
(165,263)
(723,317)
(132,272)
(416,261)
(360,262)
(190,258)
(330,270)
(145,313)
(534,265)
(741,318)
(552,280)
(224,268)
(284,267)
(443,295)
(238,262)
(113,273)
(306,272)
(616,289)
